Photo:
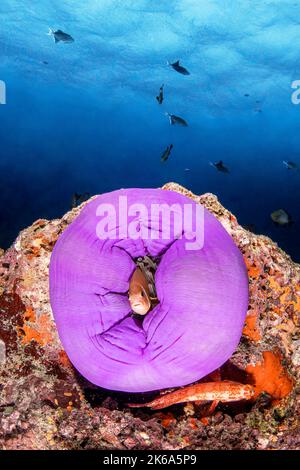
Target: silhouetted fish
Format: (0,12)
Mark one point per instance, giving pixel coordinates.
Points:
(176,120)
(281,217)
(250,228)
(60,36)
(166,153)
(78,199)
(290,165)
(179,68)
(220,166)
(160,97)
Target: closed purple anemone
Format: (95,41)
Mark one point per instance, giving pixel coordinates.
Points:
(203,295)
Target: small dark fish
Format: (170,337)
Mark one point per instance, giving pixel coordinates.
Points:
(60,36)
(166,153)
(45,62)
(246,94)
(75,199)
(179,68)
(281,217)
(176,120)
(78,199)
(160,97)
(250,228)
(290,165)
(220,166)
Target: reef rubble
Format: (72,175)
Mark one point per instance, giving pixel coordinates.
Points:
(46,404)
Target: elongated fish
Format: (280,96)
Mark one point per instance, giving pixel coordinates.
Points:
(176,120)
(220,166)
(224,391)
(160,96)
(60,36)
(179,68)
(290,165)
(166,153)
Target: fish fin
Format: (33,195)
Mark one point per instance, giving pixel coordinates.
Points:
(169,116)
(171,146)
(176,63)
(136,405)
(56,40)
(171,120)
(220,162)
(50,32)
(212,407)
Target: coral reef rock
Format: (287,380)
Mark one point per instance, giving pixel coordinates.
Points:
(46,404)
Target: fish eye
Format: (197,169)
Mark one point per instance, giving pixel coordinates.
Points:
(142,293)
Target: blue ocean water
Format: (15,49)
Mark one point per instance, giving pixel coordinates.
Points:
(83,117)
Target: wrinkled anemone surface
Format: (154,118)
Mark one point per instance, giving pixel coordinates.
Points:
(195,328)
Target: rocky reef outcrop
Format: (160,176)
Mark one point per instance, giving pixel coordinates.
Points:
(46,404)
